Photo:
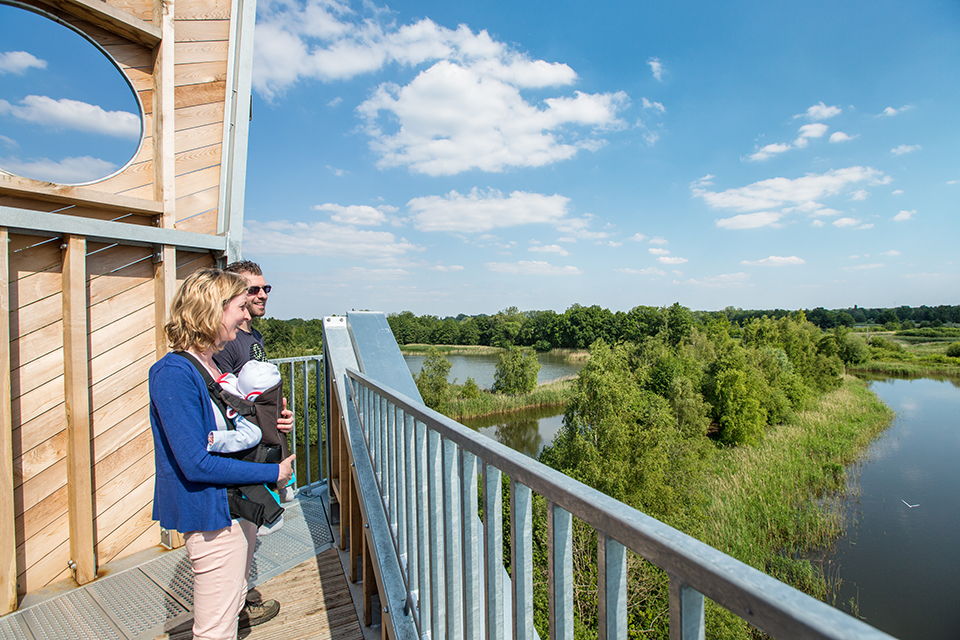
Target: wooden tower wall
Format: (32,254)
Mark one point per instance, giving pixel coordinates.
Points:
(86,277)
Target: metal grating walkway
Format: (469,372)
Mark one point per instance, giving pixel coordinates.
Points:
(139,603)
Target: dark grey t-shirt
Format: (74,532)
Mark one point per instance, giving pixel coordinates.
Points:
(244,348)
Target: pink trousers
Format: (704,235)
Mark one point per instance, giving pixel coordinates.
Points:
(221,568)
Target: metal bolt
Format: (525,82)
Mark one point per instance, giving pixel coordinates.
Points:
(385,610)
(366,526)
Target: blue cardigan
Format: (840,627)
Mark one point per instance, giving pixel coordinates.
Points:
(190,491)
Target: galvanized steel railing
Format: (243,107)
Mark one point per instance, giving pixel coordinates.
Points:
(308,439)
(427,468)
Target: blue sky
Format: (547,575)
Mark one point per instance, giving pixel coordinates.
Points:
(466,157)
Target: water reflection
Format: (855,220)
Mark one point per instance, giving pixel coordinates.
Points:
(899,558)
(526,431)
(67,113)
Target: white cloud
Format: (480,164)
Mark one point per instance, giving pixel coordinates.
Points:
(750,220)
(819,112)
(658,252)
(360,215)
(532,268)
(779,192)
(890,111)
(656,106)
(863,267)
(905,148)
(807,131)
(658,240)
(839,136)
(774,261)
(817,224)
(464,111)
(578,229)
(446,269)
(13,144)
(337,172)
(905,215)
(283,238)
(452,118)
(859,194)
(73,114)
(67,171)
(335,102)
(671,260)
(656,67)
(892,253)
(17,62)
(638,237)
(769,151)
(899,192)
(846,222)
(482,211)
(550,248)
(651,271)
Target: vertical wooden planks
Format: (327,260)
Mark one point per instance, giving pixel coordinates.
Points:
(76,382)
(8,538)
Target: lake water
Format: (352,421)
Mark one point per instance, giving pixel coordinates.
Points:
(901,564)
(481,367)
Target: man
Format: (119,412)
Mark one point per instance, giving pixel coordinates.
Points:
(248,345)
(249,342)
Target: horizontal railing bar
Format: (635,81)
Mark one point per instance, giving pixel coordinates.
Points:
(761,600)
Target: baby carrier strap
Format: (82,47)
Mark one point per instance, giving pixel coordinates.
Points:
(221,398)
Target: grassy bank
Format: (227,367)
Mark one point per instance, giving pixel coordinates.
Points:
(546,395)
(772,505)
(448,349)
(896,354)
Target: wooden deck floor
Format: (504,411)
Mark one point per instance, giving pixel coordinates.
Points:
(315,604)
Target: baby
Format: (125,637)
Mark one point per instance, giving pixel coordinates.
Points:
(255,377)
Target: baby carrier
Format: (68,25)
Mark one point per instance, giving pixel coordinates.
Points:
(251,502)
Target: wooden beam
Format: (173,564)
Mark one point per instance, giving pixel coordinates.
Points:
(77,196)
(110,18)
(164,179)
(8,516)
(76,383)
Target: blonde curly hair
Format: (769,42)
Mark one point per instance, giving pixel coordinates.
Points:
(197,310)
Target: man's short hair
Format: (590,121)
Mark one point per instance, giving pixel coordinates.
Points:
(244,266)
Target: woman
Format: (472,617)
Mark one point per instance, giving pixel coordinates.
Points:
(190,495)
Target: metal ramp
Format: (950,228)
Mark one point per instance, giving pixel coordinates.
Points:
(142,602)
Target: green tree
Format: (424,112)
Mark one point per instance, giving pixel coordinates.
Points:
(853,349)
(432,380)
(516,371)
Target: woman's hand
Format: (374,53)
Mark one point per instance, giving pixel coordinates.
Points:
(285,421)
(286,472)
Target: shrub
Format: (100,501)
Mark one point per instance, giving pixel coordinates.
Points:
(853,349)
(432,380)
(470,390)
(516,372)
(953,350)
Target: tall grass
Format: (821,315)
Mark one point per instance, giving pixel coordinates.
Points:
(547,395)
(772,505)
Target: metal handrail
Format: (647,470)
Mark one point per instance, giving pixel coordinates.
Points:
(309,421)
(427,468)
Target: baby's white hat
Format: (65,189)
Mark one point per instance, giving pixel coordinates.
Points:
(257,377)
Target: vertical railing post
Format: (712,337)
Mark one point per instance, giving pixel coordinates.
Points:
(412,518)
(560,571)
(687,620)
(400,481)
(423,526)
(472,556)
(390,482)
(438,587)
(306,423)
(451,537)
(521,561)
(493,550)
(612,583)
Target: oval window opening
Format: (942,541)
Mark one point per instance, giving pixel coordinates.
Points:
(68,114)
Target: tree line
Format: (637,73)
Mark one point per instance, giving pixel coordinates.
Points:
(580,326)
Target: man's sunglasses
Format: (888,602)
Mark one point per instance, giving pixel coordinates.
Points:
(252,291)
